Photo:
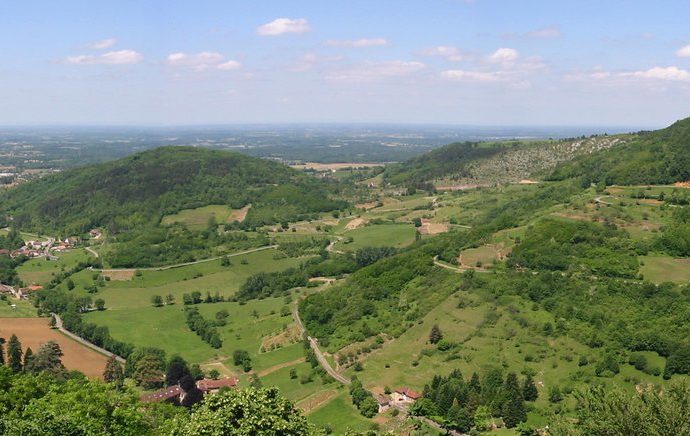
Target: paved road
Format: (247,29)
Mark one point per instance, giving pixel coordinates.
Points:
(177,265)
(317,351)
(59,326)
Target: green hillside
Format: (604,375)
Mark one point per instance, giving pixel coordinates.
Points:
(140,189)
(659,157)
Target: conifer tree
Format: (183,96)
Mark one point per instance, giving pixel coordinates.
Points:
(514,408)
(529,389)
(435,335)
(28,359)
(14,354)
(2,352)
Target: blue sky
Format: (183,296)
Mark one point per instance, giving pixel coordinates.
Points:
(472,62)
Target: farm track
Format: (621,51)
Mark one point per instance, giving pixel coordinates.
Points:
(59,326)
(196,262)
(317,351)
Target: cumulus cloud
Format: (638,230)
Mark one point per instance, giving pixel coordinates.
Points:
(449,52)
(357,43)
(309,60)
(120,57)
(662,73)
(473,76)
(282,26)
(375,71)
(504,56)
(103,44)
(202,61)
(684,52)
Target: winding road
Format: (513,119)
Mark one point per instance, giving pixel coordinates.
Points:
(317,351)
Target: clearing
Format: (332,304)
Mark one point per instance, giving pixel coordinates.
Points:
(198,218)
(32,332)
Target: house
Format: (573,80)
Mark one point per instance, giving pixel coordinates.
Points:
(171,393)
(383,402)
(212,386)
(405,395)
(4,289)
(174,393)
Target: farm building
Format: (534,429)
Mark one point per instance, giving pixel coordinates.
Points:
(175,393)
(405,395)
(383,401)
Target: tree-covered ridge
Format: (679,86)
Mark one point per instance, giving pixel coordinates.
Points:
(659,157)
(138,190)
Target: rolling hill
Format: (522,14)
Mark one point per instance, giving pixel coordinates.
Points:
(140,189)
(658,157)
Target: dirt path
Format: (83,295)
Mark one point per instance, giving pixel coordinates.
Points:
(330,246)
(59,326)
(178,265)
(92,251)
(315,346)
(275,368)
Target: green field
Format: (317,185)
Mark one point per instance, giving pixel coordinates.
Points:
(40,271)
(204,277)
(198,218)
(24,309)
(659,269)
(388,235)
(340,415)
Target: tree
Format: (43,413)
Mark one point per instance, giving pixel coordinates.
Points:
(191,393)
(113,372)
(529,389)
(2,353)
(460,419)
(49,359)
(214,374)
(70,284)
(225,261)
(28,359)
(514,408)
(293,373)
(53,321)
(435,335)
(244,412)
(555,395)
(368,407)
(99,303)
(157,300)
(149,372)
(170,299)
(177,368)
(14,353)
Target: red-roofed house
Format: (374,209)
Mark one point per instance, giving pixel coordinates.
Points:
(168,394)
(208,385)
(173,393)
(405,395)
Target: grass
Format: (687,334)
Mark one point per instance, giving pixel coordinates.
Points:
(204,277)
(198,218)
(24,309)
(388,235)
(659,269)
(340,415)
(40,271)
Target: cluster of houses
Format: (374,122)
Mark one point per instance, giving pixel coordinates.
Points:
(21,293)
(175,394)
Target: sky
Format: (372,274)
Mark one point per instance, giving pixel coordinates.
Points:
(464,62)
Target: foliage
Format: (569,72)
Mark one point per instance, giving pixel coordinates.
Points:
(247,411)
(202,327)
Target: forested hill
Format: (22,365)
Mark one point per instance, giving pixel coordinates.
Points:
(492,163)
(659,157)
(138,190)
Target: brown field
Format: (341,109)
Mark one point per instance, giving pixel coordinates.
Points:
(357,222)
(317,400)
(32,332)
(335,166)
(239,214)
(286,337)
(118,274)
(433,228)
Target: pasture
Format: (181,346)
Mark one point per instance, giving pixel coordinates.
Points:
(659,269)
(380,235)
(41,270)
(32,332)
(198,218)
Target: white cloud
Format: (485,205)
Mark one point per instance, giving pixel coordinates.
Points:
(545,33)
(473,76)
(449,52)
(504,56)
(281,26)
(357,43)
(684,52)
(375,71)
(202,61)
(662,73)
(309,60)
(103,44)
(120,57)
